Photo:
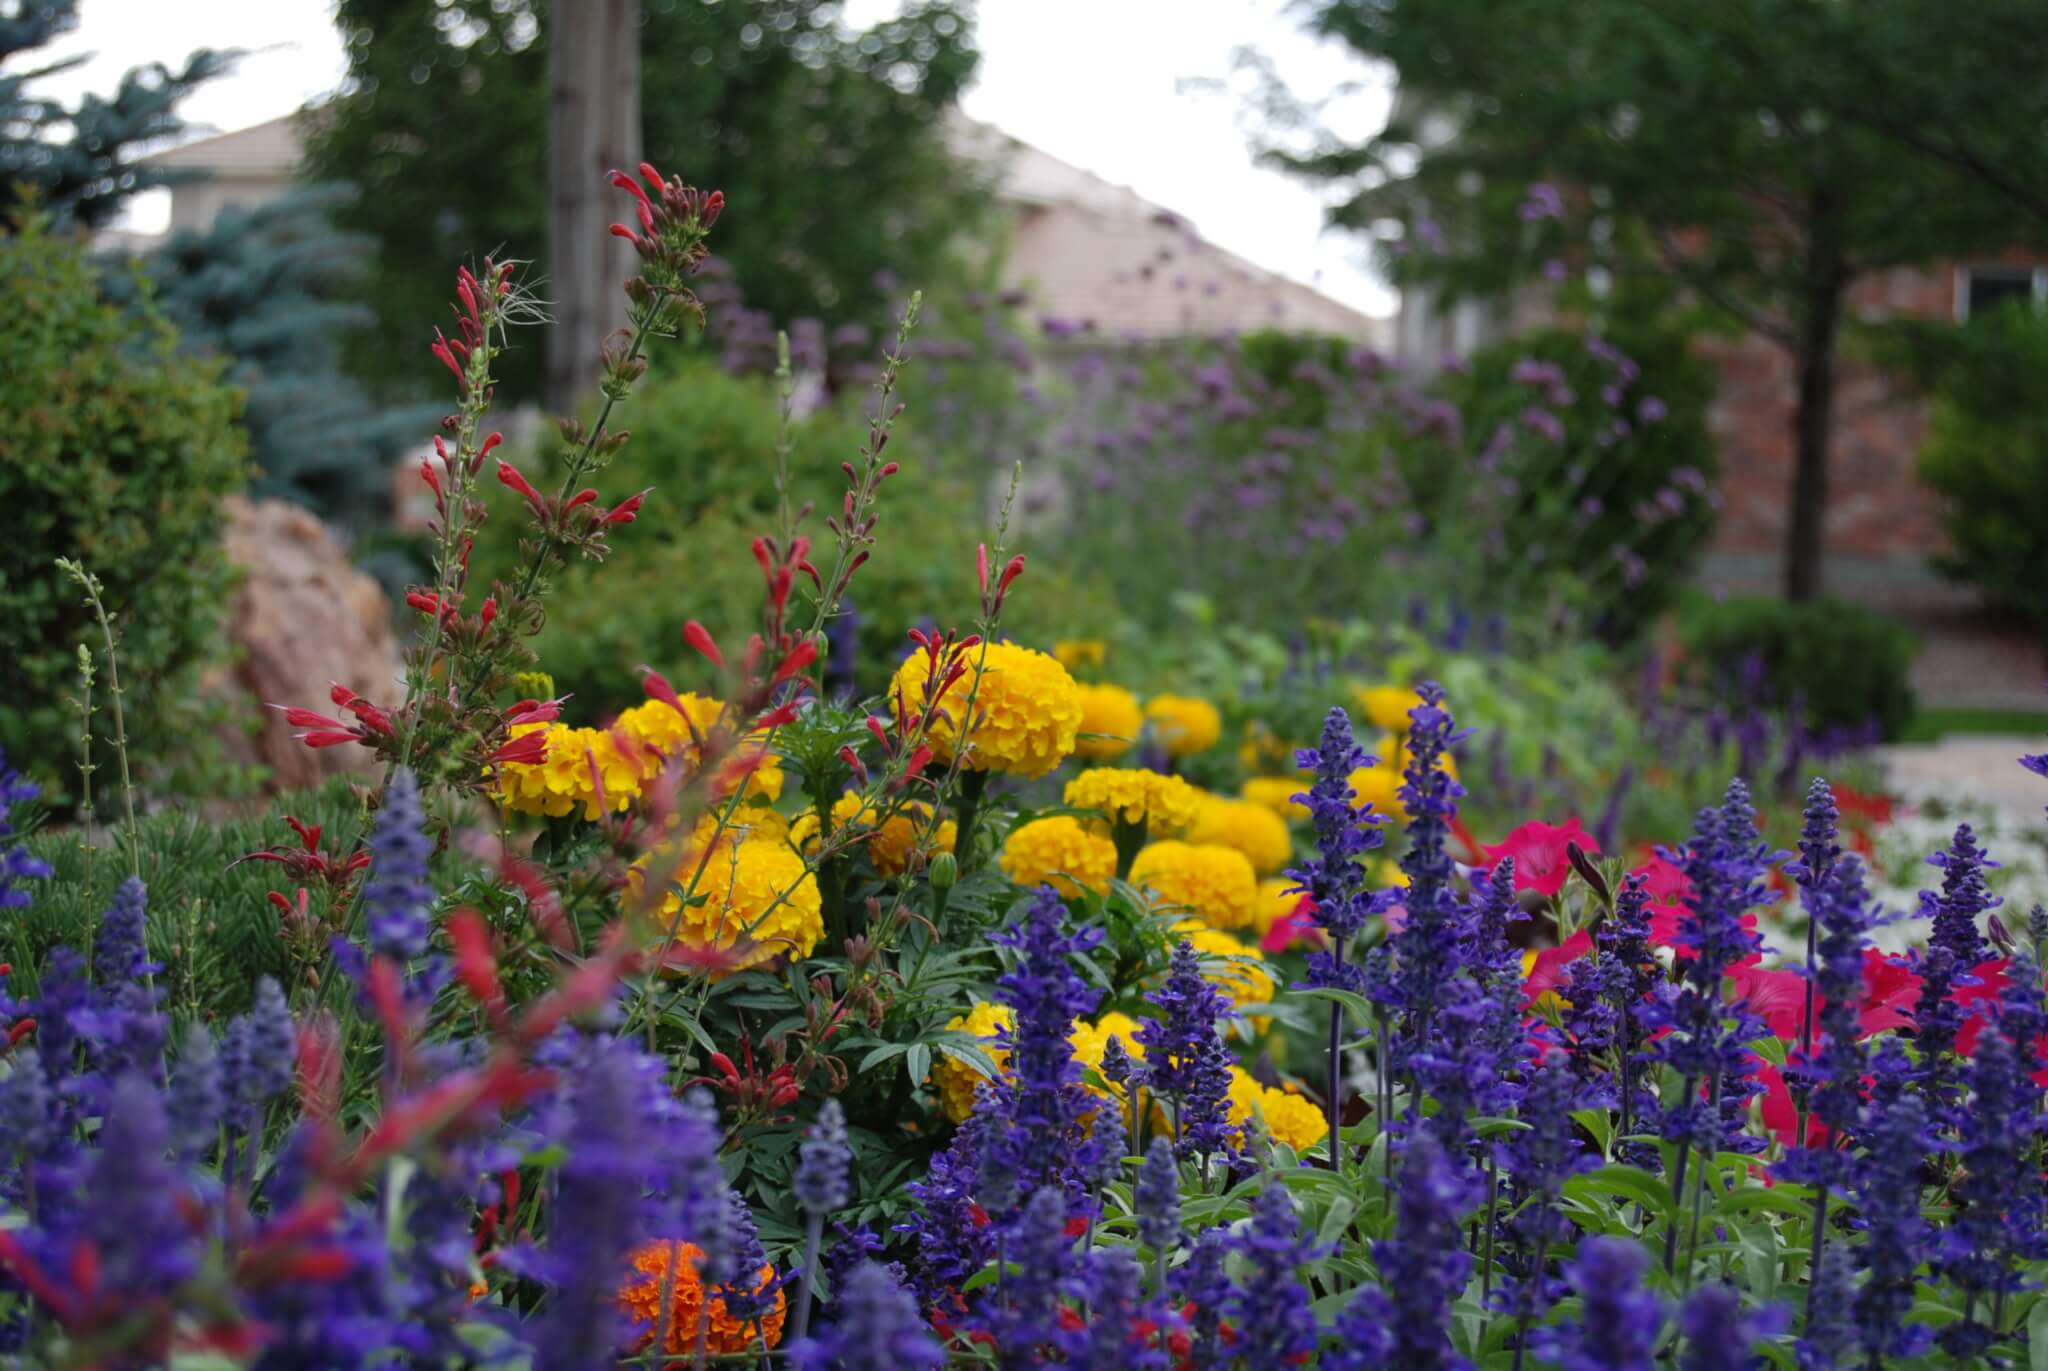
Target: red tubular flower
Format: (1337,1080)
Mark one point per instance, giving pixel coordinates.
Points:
(475,964)
(580,499)
(854,763)
(433,481)
(426,604)
(699,637)
(625,511)
(508,475)
(528,749)
(533,712)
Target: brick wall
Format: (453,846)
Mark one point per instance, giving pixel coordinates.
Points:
(1876,507)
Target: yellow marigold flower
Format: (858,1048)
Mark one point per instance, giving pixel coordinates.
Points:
(1244,982)
(1387,705)
(1112,711)
(1252,829)
(1091,1041)
(759,890)
(1185,725)
(1028,706)
(1164,804)
(1380,787)
(889,847)
(1387,873)
(1277,794)
(1074,653)
(1062,850)
(688,1310)
(1287,1116)
(578,761)
(955,1080)
(1216,883)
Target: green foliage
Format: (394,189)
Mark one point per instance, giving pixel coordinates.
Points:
(1846,666)
(116,452)
(828,144)
(85,177)
(261,288)
(1986,457)
(1621,478)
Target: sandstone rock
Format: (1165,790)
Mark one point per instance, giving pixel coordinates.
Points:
(300,618)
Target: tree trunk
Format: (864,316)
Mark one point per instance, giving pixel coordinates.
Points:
(1827,281)
(593,127)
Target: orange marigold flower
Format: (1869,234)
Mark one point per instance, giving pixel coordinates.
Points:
(724,1335)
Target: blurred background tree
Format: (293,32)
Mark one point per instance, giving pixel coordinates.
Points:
(1690,142)
(80,162)
(829,144)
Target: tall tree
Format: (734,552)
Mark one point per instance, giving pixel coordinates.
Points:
(828,142)
(80,162)
(1699,137)
(593,126)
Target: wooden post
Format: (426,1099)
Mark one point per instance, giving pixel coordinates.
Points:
(593,126)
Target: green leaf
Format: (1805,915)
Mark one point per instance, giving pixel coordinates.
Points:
(2037,1336)
(1630,1182)
(917,1063)
(1357,1004)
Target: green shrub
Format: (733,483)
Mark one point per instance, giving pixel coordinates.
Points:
(705,442)
(1986,457)
(1847,666)
(1581,500)
(116,451)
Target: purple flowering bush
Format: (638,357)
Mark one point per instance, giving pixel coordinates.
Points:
(764,1023)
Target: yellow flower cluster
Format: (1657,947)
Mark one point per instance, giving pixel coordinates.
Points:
(688,1311)
(1075,653)
(1387,705)
(1277,794)
(1028,708)
(1279,896)
(1112,713)
(757,889)
(1184,724)
(1216,883)
(1062,850)
(1252,829)
(599,769)
(1164,804)
(1262,751)
(1380,786)
(955,1080)
(1286,1116)
(890,845)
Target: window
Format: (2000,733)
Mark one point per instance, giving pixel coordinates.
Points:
(1986,287)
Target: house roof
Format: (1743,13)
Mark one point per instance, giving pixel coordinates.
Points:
(271,148)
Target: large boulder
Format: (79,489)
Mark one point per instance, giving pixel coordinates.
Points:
(300,618)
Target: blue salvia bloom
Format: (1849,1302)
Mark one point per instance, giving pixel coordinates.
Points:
(1819,849)
(1456,1069)
(397,899)
(1718,1335)
(1595,987)
(1363,1340)
(1116,1305)
(1496,964)
(951,1243)
(1275,1325)
(1044,1105)
(1833,1075)
(1618,1321)
(1725,862)
(1988,1231)
(2024,1022)
(64,1000)
(1624,936)
(1156,1197)
(848,1248)
(272,1044)
(747,1298)
(198,1099)
(1185,1060)
(1954,947)
(120,952)
(1424,1264)
(596,1214)
(1542,1157)
(127,1205)
(877,1328)
(1887,1194)
(1429,948)
(1026,1319)
(1334,879)
(823,1163)
(16,865)
(1828,1341)
(1202,1284)
(694,1201)
(30,1119)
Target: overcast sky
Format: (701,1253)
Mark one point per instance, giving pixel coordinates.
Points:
(1098,83)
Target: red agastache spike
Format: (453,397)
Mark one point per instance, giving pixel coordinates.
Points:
(880,729)
(652,177)
(625,511)
(433,481)
(306,718)
(784,713)
(508,475)
(423,602)
(528,749)
(981,566)
(764,557)
(580,499)
(629,185)
(854,763)
(442,350)
(699,637)
(800,656)
(318,1078)
(489,611)
(485,449)
(621,231)
(890,469)
(1010,574)
(533,712)
(654,684)
(476,966)
(918,760)
(16,1261)
(21,1029)
(467,296)
(388,999)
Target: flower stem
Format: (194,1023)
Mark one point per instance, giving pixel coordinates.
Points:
(814,1233)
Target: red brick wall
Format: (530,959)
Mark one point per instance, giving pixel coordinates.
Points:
(1876,507)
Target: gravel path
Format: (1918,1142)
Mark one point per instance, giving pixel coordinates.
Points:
(1979,770)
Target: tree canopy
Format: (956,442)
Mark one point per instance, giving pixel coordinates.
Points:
(828,143)
(1716,148)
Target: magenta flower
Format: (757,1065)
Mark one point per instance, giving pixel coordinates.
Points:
(1541,862)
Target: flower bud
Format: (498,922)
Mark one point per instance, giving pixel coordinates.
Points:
(944,872)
